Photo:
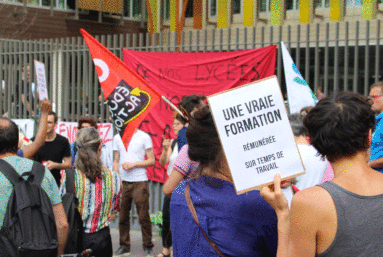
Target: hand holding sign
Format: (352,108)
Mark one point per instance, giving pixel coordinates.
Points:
(274,196)
(255,133)
(41,80)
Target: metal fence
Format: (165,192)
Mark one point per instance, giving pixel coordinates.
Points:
(334,56)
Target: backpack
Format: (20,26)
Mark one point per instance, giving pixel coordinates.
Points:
(29,227)
(75,227)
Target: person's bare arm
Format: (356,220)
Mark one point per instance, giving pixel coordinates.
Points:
(297,228)
(62,227)
(116,161)
(174,179)
(61,166)
(274,196)
(41,135)
(150,161)
(167,152)
(376,164)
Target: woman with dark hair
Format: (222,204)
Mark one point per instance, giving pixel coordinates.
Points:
(98,192)
(342,217)
(168,156)
(225,224)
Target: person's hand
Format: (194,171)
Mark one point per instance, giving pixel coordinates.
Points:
(112,216)
(128,165)
(286,183)
(46,106)
(274,196)
(50,165)
(166,143)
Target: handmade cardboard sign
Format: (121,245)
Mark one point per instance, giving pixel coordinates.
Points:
(41,80)
(255,133)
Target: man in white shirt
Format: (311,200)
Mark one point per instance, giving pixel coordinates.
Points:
(131,166)
(314,164)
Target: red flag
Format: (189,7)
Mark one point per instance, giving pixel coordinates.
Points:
(128,95)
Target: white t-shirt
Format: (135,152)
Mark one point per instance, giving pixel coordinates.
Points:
(173,158)
(138,145)
(315,167)
(288,192)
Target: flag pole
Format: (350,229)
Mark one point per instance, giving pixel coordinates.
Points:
(173,107)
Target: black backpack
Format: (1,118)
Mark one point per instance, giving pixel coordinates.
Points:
(75,227)
(29,227)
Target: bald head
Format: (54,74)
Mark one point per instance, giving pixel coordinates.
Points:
(9,136)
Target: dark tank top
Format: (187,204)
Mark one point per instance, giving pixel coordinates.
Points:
(360,224)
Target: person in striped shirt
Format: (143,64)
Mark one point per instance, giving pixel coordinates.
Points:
(98,190)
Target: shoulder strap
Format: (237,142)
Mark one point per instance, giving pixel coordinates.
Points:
(69,181)
(9,172)
(38,171)
(194,214)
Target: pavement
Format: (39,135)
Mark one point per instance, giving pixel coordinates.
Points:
(136,241)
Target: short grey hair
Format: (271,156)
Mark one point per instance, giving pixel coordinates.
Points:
(296,123)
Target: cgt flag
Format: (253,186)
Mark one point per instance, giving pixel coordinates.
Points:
(129,96)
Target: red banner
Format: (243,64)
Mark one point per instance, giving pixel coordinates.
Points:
(175,75)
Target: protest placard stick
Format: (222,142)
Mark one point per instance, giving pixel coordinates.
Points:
(174,107)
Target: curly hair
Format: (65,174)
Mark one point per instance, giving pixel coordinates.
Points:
(339,125)
(189,102)
(91,121)
(88,161)
(202,136)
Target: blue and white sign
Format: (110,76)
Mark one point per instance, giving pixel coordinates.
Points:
(298,92)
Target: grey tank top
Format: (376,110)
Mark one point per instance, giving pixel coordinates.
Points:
(360,224)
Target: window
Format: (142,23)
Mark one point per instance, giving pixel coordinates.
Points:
(57,4)
(292,4)
(166,9)
(132,9)
(213,8)
(264,6)
(354,3)
(236,6)
(322,3)
(189,9)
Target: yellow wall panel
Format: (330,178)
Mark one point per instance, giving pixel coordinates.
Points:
(248,13)
(173,15)
(369,9)
(222,14)
(275,12)
(304,14)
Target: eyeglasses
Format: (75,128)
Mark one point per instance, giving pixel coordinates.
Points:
(374,96)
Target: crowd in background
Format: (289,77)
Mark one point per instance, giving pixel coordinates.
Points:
(334,209)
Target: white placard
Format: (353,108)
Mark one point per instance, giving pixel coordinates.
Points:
(41,80)
(27,126)
(255,133)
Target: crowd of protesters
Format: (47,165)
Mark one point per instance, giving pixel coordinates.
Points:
(334,209)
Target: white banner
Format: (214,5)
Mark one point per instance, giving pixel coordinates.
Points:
(255,133)
(27,126)
(298,92)
(69,130)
